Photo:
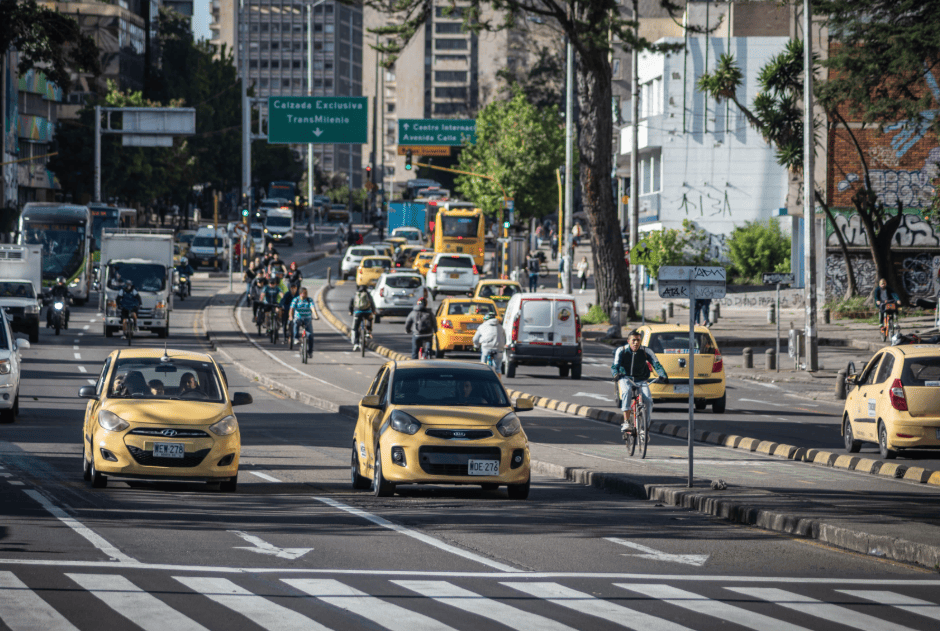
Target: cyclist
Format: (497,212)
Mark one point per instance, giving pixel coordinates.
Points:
(129,302)
(361,307)
(490,338)
(294,275)
(276,265)
(59,291)
(302,310)
(271,297)
(883,298)
(633,361)
(421,324)
(286,299)
(256,294)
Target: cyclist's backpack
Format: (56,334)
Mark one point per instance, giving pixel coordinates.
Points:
(362,301)
(533,265)
(424,323)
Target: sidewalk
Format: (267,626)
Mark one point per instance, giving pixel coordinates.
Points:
(868,514)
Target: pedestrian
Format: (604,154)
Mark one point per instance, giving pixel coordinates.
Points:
(583,271)
(532,265)
(575,234)
(250,274)
(701,311)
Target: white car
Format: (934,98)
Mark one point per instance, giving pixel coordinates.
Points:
(352,258)
(452,274)
(413,235)
(257,235)
(396,293)
(10,360)
(209,248)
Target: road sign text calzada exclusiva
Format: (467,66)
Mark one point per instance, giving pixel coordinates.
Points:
(318,119)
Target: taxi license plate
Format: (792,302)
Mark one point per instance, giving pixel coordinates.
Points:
(483,467)
(472,326)
(168,450)
(455,275)
(680,389)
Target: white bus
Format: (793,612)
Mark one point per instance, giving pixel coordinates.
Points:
(64,231)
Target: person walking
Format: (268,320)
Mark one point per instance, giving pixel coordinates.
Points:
(583,271)
(532,265)
(575,234)
(701,311)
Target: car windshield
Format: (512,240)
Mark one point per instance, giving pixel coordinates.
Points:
(499,293)
(362,252)
(145,276)
(455,261)
(14,289)
(278,222)
(470,308)
(377,263)
(186,238)
(677,343)
(921,371)
(403,282)
(257,233)
(447,388)
(208,242)
(152,378)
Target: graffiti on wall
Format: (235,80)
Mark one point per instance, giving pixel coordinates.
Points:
(913,231)
(917,272)
(913,188)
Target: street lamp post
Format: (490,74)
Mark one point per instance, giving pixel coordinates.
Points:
(310,8)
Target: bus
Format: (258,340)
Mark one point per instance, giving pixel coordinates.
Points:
(460,230)
(102,217)
(65,233)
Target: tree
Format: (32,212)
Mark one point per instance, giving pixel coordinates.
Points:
(592,27)
(520,146)
(660,248)
(758,247)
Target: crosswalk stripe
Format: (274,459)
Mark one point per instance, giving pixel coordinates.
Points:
(819,609)
(597,607)
(907,603)
(471,602)
(22,610)
(143,609)
(378,611)
(709,607)
(262,612)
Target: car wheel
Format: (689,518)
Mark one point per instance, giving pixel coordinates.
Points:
(718,405)
(7,416)
(438,352)
(886,452)
(230,485)
(34,334)
(359,482)
(86,468)
(16,405)
(98,481)
(563,370)
(511,369)
(700,404)
(519,491)
(380,486)
(851,445)
(575,371)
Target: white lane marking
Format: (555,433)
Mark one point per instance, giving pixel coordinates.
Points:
(80,334)
(261,546)
(709,607)
(591,395)
(94,538)
(261,611)
(776,405)
(818,609)
(597,607)
(77,355)
(379,612)
(766,385)
(82,369)
(92,320)
(76,341)
(92,381)
(900,601)
(657,555)
(85,328)
(5,475)
(449,594)
(22,609)
(431,541)
(15,483)
(76,348)
(264,476)
(146,611)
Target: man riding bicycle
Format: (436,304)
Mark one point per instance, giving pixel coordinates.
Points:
(287,298)
(490,338)
(270,297)
(128,300)
(632,363)
(421,324)
(361,307)
(303,312)
(883,298)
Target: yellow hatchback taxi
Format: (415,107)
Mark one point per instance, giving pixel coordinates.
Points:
(161,415)
(423,262)
(895,401)
(499,291)
(670,343)
(371,268)
(457,322)
(439,422)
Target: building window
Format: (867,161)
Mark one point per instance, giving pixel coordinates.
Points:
(451,93)
(275,63)
(450,108)
(390,107)
(328,28)
(451,28)
(285,83)
(264,27)
(651,174)
(443,58)
(615,70)
(454,14)
(296,64)
(450,44)
(451,76)
(264,83)
(651,98)
(264,64)
(252,63)
(390,75)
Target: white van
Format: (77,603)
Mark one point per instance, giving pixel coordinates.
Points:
(542,329)
(210,247)
(279,226)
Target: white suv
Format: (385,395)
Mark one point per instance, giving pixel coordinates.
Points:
(10,360)
(352,259)
(396,293)
(452,274)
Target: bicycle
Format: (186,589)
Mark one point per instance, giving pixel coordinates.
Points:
(272,326)
(303,344)
(637,410)
(128,327)
(425,351)
(890,326)
(363,336)
(491,360)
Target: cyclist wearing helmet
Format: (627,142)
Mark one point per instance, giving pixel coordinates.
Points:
(286,299)
(361,307)
(128,300)
(271,296)
(420,324)
(59,291)
(490,338)
(294,275)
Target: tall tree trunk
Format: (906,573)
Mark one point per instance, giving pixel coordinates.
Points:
(850,288)
(879,240)
(611,275)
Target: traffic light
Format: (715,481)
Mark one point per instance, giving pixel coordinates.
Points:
(244,212)
(506,225)
(408,160)
(368,170)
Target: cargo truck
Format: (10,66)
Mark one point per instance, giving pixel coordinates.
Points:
(21,287)
(407,215)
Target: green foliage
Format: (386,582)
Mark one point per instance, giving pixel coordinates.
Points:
(660,248)
(340,195)
(758,247)
(595,315)
(520,146)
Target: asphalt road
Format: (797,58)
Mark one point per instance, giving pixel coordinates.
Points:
(296,548)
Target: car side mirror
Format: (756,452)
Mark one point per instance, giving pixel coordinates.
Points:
(523,404)
(88,392)
(242,398)
(22,343)
(371,401)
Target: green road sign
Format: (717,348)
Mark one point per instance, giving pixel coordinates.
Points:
(318,119)
(437,132)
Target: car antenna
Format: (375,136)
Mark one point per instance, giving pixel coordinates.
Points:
(165,357)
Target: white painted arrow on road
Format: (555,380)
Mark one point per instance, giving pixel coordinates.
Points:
(317,132)
(263,547)
(591,395)
(655,555)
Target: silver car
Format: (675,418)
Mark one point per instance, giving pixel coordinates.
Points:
(353,257)
(452,274)
(396,292)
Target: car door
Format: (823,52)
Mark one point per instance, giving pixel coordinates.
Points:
(866,410)
(91,409)
(367,417)
(878,392)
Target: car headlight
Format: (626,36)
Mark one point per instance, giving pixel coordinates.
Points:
(33,309)
(76,282)
(225,427)
(509,425)
(112,308)
(404,423)
(111,421)
(4,366)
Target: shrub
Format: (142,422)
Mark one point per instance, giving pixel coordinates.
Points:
(595,315)
(758,247)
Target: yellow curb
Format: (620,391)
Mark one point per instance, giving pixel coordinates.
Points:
(822,457)
(766,447)
(845,462)
(934,479)
(731,440)
(784,451)
(865,465)
(917,474)
(748,443)
(889,470)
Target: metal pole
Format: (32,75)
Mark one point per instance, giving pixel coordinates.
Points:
(246,109)
(691,374)
(565,237)
(642,269)
(635,144)
(310,174)
(809,214)
(97,153)
(778,328)
(561,214)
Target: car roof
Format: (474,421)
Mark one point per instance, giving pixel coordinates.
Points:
(374,257)
(484,300)
(671,328)
(499,281)
(454,255)
(441,363)
(145,353)
(916,350)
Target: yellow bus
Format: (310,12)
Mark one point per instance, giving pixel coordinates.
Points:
(460,231)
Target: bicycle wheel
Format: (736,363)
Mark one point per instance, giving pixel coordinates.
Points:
(362,339)
(303,347)
(290,337)
(643,435)
(629,439)
(543,270)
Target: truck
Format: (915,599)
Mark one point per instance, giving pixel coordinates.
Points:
(407,215)
(284,190)
(145,257)
(21,287)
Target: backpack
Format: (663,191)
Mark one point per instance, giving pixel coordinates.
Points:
(361,303)
(533,265)
(424,323)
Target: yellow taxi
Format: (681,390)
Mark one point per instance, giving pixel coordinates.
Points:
(407,255)
(161,415)
(895,401)
(439,422)
(371,268)
(499,291)
(670,343)
(398,243)
(457,321)
(423,262)
(384,249)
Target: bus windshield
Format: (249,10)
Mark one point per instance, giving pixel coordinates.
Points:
(63,250)
(460,227)
(102,218)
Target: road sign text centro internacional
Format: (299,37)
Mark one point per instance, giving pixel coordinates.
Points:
(327,120)
(437,132)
